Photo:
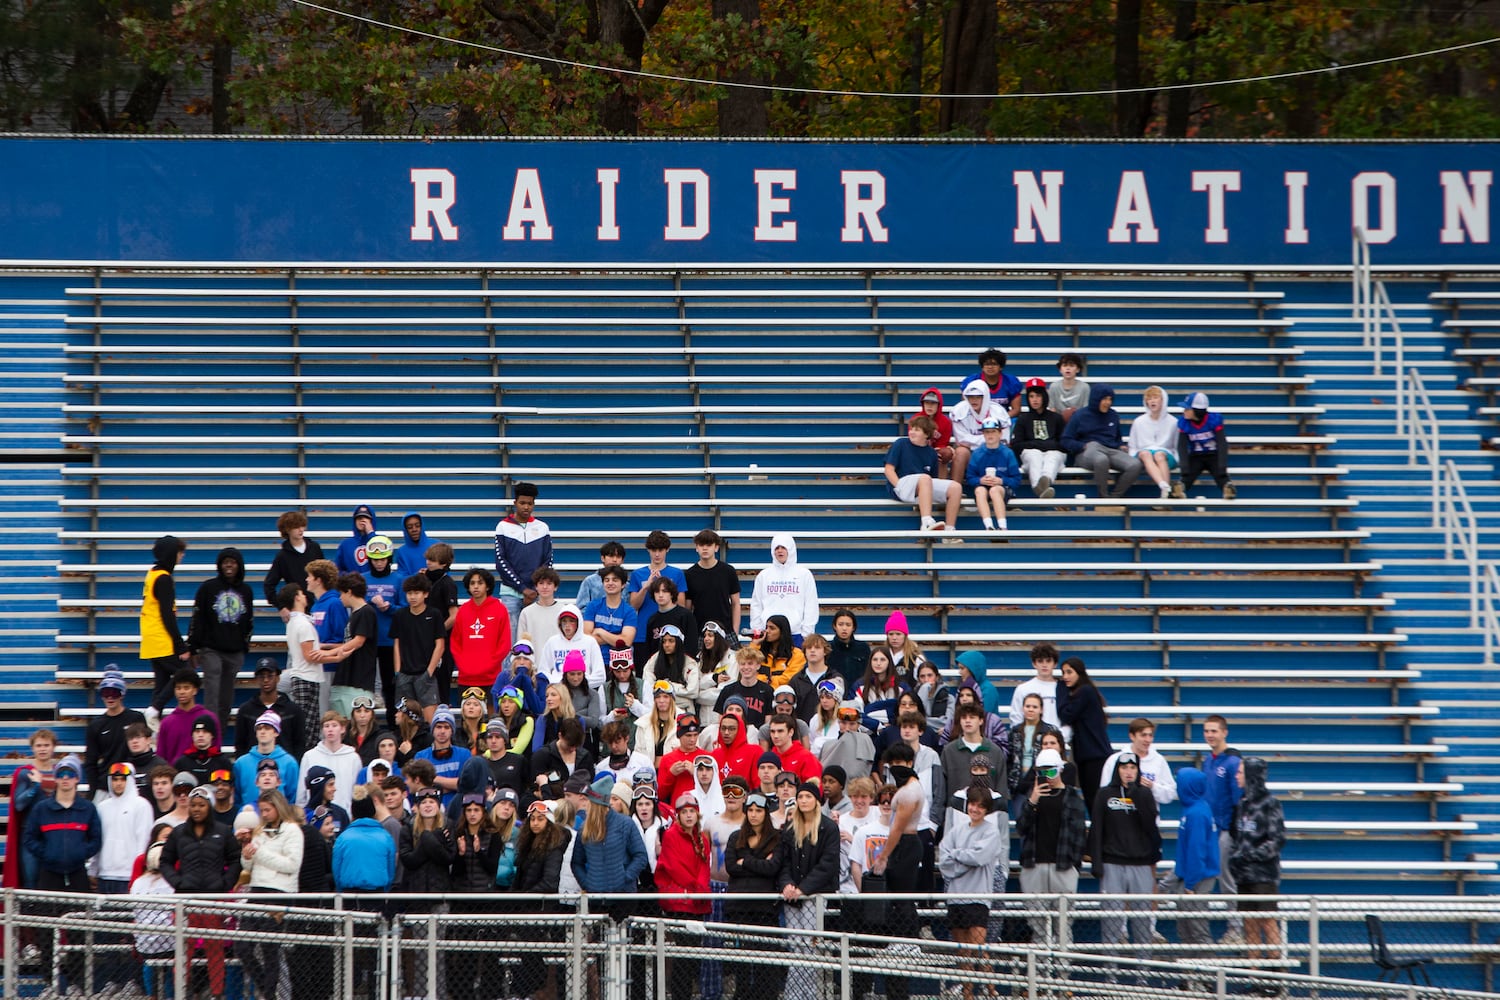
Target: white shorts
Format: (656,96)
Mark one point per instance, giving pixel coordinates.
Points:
(906,488)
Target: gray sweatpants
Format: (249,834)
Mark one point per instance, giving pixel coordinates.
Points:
(1135,880)
(1227,885)
(1047,879)
(1190,929)
(219,671)
(1099,460)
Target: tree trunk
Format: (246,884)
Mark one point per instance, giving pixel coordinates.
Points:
(916,44)
(1179,101)
(970,65)
(223,65)
(1128,68)
(742,112)
(623,26)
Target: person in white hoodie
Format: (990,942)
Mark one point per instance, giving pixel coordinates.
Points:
(125,827)
(549,665)
(973,408)
(336,755)
(1153,439)
(784,588)
(153,920)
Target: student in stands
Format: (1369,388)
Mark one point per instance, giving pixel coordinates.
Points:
(104,741)
(716,668)
(611,620)
(848,656)
(994,476)
(268,698)
(481,633)
(357,670)
(297,550)
(411,555)
(1044,657)
(1156,774)
(667,612)
(1259,834)
(327,611)
(384,594)
(931,407)
(335,755)
(220,630)
(852,749)
(161,641)
(204,756)
(784,660)
(539,618)
(810,866)
(1004,389)
(522,544)
(611,553)
(911,475)
(785,588)
(1221,771)
(306,680)
(64,833)
(175,737)
(202,855)
(1092,438)
(1202,447)
(906,655)
(807,681)
(674,664)
(755,694)
(1153,439)
(1037,440)
(638,589)
(351,557)
(968,859)
(1068,392)
(1081,708)
(267,730)
(443,600)
(968,416)
(142,757)
(419,642)
(713,586)
(1053,831)
(1197,861)
(1125,847)
(1025,744)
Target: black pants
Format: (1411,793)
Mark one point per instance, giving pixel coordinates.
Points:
(73,961)
(759,979)
(261,959)
(385,659)
(904,872)
(1215,463)
(162,670)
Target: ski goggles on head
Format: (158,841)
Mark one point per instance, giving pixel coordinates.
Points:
(661,686)
(476,693)
(362,701)
(513,694)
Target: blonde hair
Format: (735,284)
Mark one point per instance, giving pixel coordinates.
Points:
(595,823)
(803,831)
(565,709)
(750,653)
(1153,392)
(502,828)
(419,823)
(284,811)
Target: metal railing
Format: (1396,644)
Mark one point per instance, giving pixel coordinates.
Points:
(387,947)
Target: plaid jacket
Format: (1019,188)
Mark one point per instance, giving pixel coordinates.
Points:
(1072,837)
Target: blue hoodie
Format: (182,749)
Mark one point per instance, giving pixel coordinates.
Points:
(411,557)
(1002,459)
(247,765)
(1197,836)
(364,858)
(979,668)
(351,554)
(387,587)
(1089,424)
(1224,791)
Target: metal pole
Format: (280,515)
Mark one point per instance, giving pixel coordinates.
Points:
(1031,972)
(1314,959)
(179,950)
(12,951)
(1064,925)
(347,972)
(390,957)
(432,956)
(846,975)
(661,958)
(575,965)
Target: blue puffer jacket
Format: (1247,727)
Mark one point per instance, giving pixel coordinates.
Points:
(364,858)
(615,863)
(505,871)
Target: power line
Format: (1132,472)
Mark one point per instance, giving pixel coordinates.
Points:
(817,92)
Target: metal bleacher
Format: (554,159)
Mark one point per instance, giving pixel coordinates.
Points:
(203,405)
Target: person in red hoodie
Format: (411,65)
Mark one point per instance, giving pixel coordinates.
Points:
(682,867)
(932,407)
(795,757)
(674,775)
(735,753)
(481,633)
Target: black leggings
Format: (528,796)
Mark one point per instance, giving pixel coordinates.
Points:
(759,979)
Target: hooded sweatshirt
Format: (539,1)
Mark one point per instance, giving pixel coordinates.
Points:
(159,633)
(1197,837)
(1037,430)
(968,426)
(738,757)
(785,589)
(351,556)
(967,858)
(944,436)
(411,557)
(1124,828)
(480,642)
(290,566)
(125,829)
(344,762)
(63,838)
(1259,829)
(224,609)
(1090,424)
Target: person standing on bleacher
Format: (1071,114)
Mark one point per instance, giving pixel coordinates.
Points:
(351,557)
(220,630)
(1224,794)
(63,833)
(161,640)
(523,544)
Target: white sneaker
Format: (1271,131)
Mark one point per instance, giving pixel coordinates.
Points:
(931,524)
(153,718)
(1232,937)
(1000,525)
(1166,490)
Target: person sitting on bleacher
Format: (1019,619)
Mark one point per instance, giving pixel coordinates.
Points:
(911,474)
(942,436)
(1069,392)
(993,475)
(1202,447)
(968,416)
(1153,439)
(1093,440)
(1036,439)
(1004,389)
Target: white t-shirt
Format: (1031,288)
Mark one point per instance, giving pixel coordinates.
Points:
(539,623)
(1048,692)
(300,629)
(868,845)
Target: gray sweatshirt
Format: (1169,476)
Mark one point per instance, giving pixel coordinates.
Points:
(967,857)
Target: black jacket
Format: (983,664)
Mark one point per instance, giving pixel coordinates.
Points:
(1124,829)
(848,660)
(290,566)
(1259,829)
(549,762)
(207,863)
(753,871)
(316,873)
(292,725)
(104,744)
(223,610)
(541,874)
(426,860)
(810,867)
(1037,431)
(474,870)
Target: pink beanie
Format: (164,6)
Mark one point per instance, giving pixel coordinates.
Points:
(897,623)
(573,662)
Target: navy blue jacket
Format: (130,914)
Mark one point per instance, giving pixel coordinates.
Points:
(63,838)
(1089,424)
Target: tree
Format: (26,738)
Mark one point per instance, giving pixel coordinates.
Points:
(969,64)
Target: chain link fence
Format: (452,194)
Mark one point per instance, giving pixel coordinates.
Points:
(481,947)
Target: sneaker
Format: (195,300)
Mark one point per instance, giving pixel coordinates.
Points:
(931,524)
(1044,490)
(1231,938)
(1166,491)
(1178,493)
(153,718)
(1230,492)
(31,955)
(999,525)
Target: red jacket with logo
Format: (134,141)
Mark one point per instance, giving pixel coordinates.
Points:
(480,642)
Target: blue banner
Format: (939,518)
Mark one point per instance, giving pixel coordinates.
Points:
(689,203)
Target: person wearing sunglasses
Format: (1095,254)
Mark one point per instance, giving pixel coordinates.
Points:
(104,741)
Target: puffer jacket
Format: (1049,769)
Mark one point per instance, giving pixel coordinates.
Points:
(544,873)
(426,860)
(810,867)
(201,863)
(277,860)
(474,869)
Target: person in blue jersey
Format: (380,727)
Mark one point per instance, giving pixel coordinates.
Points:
(351,557)
(411,556)
(1092,438)
(993,475)
(1004,389)
(911,475)
(1202,447)
(383,590)
(523,544)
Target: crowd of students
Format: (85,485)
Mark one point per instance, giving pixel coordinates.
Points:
(1002,428)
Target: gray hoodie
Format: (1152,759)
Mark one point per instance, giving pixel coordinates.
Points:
(967,857)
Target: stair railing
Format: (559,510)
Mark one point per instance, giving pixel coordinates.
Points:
(1377,316)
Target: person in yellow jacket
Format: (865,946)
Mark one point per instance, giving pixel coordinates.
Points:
(161,641)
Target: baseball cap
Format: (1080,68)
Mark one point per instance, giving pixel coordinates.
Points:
(991,425)
(931,394)
(268,664)
(975,388)
(507,795)
(1195,401)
